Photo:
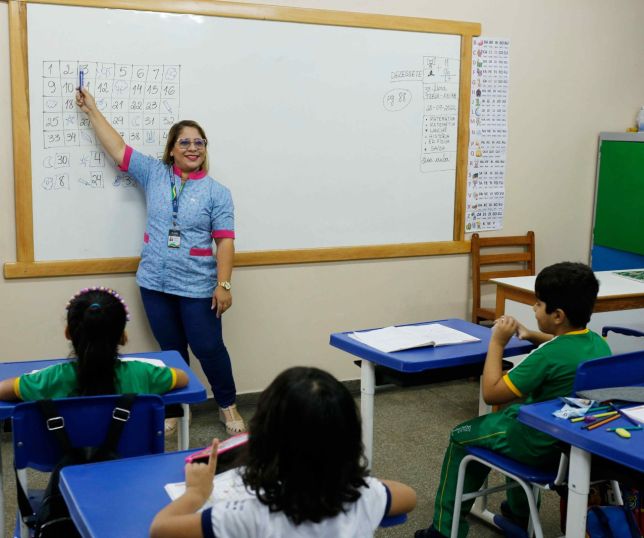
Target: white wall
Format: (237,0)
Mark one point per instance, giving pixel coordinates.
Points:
(576,69)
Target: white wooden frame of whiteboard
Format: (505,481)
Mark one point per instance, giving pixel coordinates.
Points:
(27,266)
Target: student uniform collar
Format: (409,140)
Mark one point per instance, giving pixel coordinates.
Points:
(581,331)
(199,174)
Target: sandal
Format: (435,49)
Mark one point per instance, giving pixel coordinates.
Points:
(233,421)
(170,427)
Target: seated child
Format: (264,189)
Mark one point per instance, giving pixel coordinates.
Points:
(566,294)
(305,472)
(96,320)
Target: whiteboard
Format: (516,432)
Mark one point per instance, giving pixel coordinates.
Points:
(327,136)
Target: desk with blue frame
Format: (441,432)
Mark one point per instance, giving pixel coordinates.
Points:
(193,392)
(120,497)
(617,371)
(468,359)
(133,489)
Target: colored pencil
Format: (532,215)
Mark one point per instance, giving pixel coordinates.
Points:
(619,410)
(598,415)
(599,423)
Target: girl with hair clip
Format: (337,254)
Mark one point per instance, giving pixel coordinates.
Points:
(304,475)
(96,319)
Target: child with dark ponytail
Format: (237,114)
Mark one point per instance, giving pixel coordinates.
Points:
(304,474)
(96,319)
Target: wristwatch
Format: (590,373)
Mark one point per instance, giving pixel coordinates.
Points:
(224,284)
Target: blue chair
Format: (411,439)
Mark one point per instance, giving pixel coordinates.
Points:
(591,374)
(624,338)
(609,371)
(531,479)
(628,331)
(86,422)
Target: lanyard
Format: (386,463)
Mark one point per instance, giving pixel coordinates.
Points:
(175,198)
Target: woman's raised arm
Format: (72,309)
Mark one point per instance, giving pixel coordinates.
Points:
(107,135)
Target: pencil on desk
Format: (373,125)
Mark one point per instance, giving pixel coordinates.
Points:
(601,422)
(600,408)
(619,410)
(598,415)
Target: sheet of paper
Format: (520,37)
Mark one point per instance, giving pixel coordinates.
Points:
(225,486)
(636,413)
(391,339)
(155,362)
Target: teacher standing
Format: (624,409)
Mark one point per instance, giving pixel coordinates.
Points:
(185,290)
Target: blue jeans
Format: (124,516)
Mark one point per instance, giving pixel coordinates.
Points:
(178,322)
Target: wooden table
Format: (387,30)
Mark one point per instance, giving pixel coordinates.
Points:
(615,292)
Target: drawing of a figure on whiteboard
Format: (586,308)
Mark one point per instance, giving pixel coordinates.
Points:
(185,287)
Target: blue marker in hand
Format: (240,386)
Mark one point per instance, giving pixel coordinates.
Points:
(81,74)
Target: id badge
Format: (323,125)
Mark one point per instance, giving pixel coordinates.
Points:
(174,238)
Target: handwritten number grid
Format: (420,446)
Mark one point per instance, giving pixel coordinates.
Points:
(140,101)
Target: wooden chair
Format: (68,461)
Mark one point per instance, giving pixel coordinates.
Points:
(516,251)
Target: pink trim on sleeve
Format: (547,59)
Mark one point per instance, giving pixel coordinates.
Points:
(194,251)
(146,237)
(220,234)
(125,164)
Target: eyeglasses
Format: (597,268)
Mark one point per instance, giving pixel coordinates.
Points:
(199,143)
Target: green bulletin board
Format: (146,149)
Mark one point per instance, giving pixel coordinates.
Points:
(619,211)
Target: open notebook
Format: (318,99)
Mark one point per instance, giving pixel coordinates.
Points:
(226,458)
(635,413)
(392,339)
(223,488)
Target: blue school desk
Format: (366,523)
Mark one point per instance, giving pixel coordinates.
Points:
(417,360)
(120,497)
(628,452)
(132,488)
(192,393)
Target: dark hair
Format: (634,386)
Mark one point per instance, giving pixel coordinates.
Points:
(95,322)
(173,135)
(570,286)
(305,453)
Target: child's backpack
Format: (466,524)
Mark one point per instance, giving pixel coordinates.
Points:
(611,522)
(51,518)
(634,501)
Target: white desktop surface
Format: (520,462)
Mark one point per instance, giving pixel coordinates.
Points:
(610,285)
